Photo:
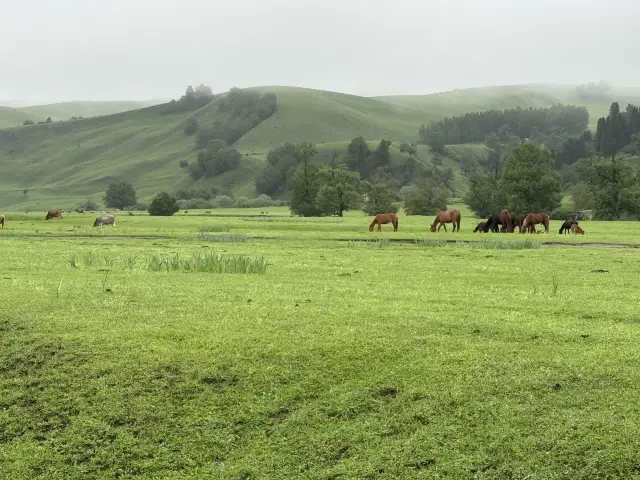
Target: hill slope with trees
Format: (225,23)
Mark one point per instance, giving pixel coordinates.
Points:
(173,146)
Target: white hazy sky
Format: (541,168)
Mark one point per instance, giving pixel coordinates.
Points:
(61,50)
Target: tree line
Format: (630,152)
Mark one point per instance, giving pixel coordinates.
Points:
(618,129)
(474,127)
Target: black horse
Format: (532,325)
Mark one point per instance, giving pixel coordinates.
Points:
(479,227)
(566,226)
(492,223)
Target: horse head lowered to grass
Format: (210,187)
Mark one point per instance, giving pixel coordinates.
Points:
(105,220)
(446,216)
(384,218)
(533,219)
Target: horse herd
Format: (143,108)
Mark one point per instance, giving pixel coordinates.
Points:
(57,213)
(504,222)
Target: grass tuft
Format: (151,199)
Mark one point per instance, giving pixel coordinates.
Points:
(208,262)
(222,237)
(213,229)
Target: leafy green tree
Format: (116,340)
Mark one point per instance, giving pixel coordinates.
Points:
(216,159)
(483,196)
(582,197)
(380,199)
(340,192)
(191,126)
(381,155)
(528,182)
(358,156)
(163,205)
(616,188)
(269,181)
(120,195)
(304,185)
(435,138)
(406,147)
(426,198)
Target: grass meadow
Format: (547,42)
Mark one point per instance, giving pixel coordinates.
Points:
(249,344)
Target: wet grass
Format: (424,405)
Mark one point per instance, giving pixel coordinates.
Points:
(340,360)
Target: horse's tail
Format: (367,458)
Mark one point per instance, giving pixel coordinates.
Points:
(458,217)
(510,227)
(395,218)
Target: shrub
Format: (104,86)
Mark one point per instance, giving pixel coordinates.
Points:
(163,205)
(223,201)
(191,126)
(195,204)
(89,205)
(563,213)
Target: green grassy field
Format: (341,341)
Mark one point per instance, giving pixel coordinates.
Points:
(66,162)
(345,358)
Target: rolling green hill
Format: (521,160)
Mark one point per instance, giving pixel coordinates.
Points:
(10,117)
(63,163)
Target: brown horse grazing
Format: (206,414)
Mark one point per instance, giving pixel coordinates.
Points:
(504,219)
(517,222)
(105,220)
(2,220)
(383,218)
(479,227)
(531,220)
(575,228)
(446,216)
(57,213)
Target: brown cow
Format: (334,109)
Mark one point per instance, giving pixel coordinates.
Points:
(57,213)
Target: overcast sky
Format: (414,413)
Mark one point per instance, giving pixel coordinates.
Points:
(62,50)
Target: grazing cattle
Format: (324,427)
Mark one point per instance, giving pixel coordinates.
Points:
(80,210)
(383,218)
(567,226)
(57,213)
(504,219)
(479,227)
(575,228)
(531,220)
(105,220)
(446,216)
(2,220)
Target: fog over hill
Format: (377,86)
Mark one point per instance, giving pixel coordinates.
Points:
(132,50)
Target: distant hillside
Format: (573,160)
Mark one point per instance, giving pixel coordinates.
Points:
(62,163)
(10,117)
